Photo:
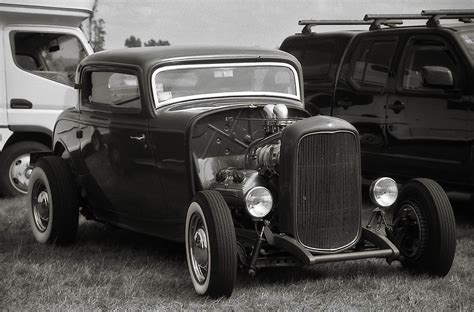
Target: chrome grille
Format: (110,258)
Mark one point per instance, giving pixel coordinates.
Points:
(328,190)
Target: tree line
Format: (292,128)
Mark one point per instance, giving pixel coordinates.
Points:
(133,42)
(96,32)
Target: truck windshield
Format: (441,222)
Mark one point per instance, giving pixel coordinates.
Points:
(468,38)
(185,82)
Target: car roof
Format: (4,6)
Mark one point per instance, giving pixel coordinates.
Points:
(150,56)
(320,35)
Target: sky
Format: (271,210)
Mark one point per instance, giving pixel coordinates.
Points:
(264,23)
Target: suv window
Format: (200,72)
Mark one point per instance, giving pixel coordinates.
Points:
(112,91)
(318,59)
(49,55)
(422,53)
(371,63)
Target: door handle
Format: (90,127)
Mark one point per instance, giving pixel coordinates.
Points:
(138,138)
(20,104)
(397,106)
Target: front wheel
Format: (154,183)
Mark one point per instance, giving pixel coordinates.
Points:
(53,201)
(424,228)
(211,245)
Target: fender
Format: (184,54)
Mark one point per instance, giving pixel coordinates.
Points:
(31,128)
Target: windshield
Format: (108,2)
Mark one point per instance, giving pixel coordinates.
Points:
(468,39)
(177,83)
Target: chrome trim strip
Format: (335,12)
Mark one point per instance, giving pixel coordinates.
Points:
(224,94)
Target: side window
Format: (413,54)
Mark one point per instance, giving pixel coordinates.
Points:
(50,55)
(319,59)
(371,63)
(421,53)
(111,91)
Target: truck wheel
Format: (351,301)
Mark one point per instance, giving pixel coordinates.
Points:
(15,169)
(424,228)
(211,250)
(53,201)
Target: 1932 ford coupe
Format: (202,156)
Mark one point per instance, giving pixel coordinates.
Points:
(213,147)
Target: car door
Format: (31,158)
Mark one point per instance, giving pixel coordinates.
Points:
(40,65)
(115,147)
(361,94)
(428,130)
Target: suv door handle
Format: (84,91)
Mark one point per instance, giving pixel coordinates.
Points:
(20,104)
(138,138)
(397,106)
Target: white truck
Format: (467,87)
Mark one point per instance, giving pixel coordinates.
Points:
(40,48)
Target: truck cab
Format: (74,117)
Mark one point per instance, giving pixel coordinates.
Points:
(40,48)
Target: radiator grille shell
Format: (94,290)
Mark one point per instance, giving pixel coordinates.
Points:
(327,194)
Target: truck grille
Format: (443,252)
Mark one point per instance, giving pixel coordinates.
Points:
(328,190)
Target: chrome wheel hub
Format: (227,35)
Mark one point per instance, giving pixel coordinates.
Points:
(20,173)
(199,248)
(41,206)
(408,232)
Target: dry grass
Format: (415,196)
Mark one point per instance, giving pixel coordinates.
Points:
(112,269)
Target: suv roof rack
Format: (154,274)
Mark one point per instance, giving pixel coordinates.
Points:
(433,17)
(391,20)
(310,23)
(464,16)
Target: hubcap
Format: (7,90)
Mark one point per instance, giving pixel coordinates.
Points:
(198,245)
(41,206)
(20,173)
(407,230)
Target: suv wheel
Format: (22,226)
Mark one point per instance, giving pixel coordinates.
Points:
(424,228)
(211,251)
(53,201)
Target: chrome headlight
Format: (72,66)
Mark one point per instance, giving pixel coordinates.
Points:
(259,202)
(384,192)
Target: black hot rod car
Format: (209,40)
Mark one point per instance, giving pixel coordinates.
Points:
(212,147)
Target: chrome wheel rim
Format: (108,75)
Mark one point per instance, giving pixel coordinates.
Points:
(41,206)
(198,245)
(407,230)
(20,173)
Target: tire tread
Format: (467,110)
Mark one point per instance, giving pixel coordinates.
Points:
(220,224)
(64,199)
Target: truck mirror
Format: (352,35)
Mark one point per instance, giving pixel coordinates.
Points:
(437,76)
(54,46)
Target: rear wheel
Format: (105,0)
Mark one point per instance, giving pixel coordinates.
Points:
(53,202)
(211,245)
(15,169)
(424,228)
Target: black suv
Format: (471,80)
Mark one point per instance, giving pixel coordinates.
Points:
(407,90)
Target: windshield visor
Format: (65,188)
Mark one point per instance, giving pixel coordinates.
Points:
(186,82)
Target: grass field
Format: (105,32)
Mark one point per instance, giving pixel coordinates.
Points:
(112,269)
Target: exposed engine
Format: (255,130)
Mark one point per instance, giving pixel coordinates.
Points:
(236,151)
(265,153)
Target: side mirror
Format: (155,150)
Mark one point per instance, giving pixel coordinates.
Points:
(379,68)
(437,76)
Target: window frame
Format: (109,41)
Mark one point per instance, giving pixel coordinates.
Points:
(405,58)
(86,85)
(13,49)
(353,60)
